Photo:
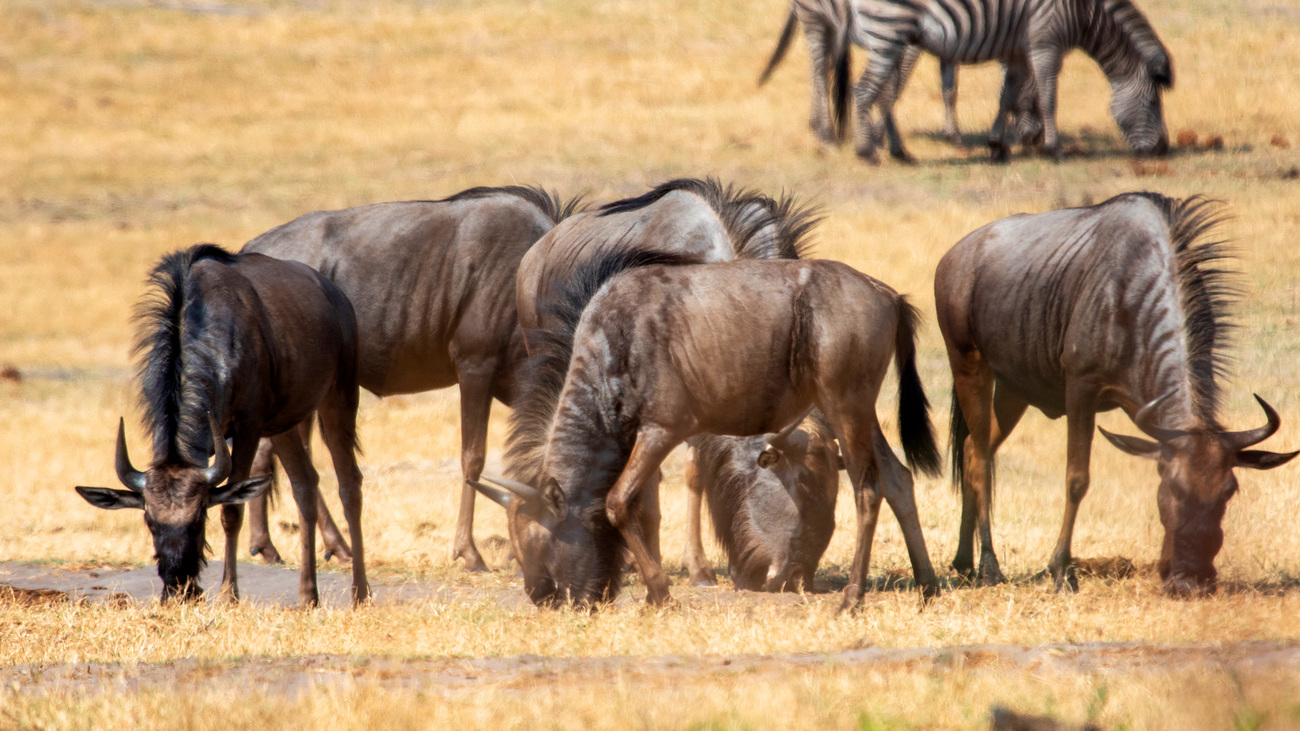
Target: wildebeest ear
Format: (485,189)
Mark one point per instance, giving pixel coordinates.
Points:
(1255,459)
(768,457)
(109,499)
(1135,446)
(554,498)
(241,492)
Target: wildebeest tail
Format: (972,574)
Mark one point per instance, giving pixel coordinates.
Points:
(782,45)
(913,407)
(957,433)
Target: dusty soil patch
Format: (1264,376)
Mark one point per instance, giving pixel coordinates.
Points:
(292,677)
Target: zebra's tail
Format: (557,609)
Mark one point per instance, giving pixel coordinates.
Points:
(782,45)
(841,82)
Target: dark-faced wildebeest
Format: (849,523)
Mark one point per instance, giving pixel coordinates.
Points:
(663,353)
(1082,310)
(246,346)
(771,501)
(432,283)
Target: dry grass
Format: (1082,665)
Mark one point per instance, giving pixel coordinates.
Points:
(132,130)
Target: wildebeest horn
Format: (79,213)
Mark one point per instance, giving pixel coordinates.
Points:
(220,468)
(1145,420)
(1242,439)
(526,492)
(500,497)
(129,475)
(778,439)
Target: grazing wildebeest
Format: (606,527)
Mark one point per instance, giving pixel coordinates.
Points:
(244,346)
(1081,310)
(739,348)
(683,221)
(771,500)
(1030,37)
(432,283)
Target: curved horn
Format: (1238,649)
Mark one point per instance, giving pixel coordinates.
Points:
(129,475)
(527,492)
(1145,420)
(220,468)
(500,497)
(1242,439)
(778,439)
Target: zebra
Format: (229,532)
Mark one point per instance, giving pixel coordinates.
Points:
(1029,37)
(827,30)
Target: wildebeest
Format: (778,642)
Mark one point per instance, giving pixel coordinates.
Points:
(1082,310)
(739,348)
(771,501)
(244,346)
(432,283)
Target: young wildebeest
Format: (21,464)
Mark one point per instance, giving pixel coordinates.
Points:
(432,283)
(246,346)
(772,503)
(1089,309)
(663,353)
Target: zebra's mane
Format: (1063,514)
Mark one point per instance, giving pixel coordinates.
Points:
(759,227)
(1121,20)
(176,369)
(547,201)
(1208,291)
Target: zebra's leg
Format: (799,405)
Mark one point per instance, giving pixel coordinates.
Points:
(818,36)
(889,95)
(1012,82)
(885,59)
(1029,120)
(948,80)
(1045,64)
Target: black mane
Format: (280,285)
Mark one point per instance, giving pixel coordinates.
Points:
(1209,293)
(174,368)
(543,373)
(745,214)
(548,202)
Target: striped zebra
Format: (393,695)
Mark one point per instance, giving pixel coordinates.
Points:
(1029,37)
(827,26)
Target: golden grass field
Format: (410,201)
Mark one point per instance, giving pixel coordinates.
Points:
(129,129)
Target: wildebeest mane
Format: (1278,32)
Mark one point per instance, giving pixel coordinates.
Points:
(1209,294)
(547,201)
(175,369)
(745,213)
(543,372)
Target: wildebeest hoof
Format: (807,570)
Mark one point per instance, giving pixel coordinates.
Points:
(1065,580)
(964,569)
(267,552)
(930,592)
(991,574)
(705,577)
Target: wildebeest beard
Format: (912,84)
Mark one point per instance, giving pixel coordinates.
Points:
(586,558)
(181,552)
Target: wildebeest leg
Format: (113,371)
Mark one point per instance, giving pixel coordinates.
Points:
(306,482)
(329,531)
(1007,410)
(649,514)
(864,473)
(232,516)
(973,380)
(948,79)
(259,538)
(339,430)
(696,562)
(475,406)
(652,446)
(1081,419)
(897,482)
